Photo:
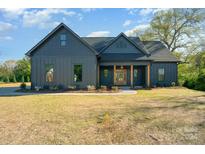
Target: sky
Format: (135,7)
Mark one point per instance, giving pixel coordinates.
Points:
(21,29)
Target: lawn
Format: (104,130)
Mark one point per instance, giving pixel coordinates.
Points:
(157,116)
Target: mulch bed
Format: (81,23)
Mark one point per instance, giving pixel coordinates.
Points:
(68,91)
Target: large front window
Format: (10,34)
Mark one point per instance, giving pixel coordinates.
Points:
(77,73)
(49,72)
(161,74)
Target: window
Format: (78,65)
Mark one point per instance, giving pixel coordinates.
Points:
(49,72)
(135,73)
(105,73)
(161,74)
(77,73)
(63,39)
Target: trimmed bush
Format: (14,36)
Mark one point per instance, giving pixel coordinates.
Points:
(70,87)
(115,88)
(91,87)
(46,87)
(103,87)
(23,86)
(60,87)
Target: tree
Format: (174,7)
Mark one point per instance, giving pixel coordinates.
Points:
(176,28)
(22,69)
(6,70)
(14,78)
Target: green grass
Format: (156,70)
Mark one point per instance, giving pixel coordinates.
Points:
(158,116)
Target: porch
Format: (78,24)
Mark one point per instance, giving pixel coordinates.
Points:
(124,74)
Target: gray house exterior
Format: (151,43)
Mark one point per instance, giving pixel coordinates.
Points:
(64,58)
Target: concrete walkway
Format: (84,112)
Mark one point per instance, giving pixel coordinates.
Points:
(11,91)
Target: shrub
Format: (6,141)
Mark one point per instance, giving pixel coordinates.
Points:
(70,87)
(46,87)
(37,88)
(115,88)
(60,87)
(23,86)
(54,87)
(200,82)
(103,87)
(91,87)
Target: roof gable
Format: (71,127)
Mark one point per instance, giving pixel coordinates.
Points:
(127,42)
(31,51)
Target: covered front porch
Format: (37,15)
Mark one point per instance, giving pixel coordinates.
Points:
(124,74)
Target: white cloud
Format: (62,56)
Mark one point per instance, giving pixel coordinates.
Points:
(88,9)
(160,9)
(99,34)
(147,11)
(43,18)
(12,13)
(8,38)
(132,11)
(127,23)
(132,32)
(4,26)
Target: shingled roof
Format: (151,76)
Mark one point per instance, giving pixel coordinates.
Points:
(156,49)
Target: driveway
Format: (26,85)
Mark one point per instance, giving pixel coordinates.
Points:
(11,91)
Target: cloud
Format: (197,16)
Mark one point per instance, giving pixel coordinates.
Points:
(7,38)
(44,18)
(99,34)
(132,32)
(5,26)
(88,9)
(132,11)
(147,11)
(127,23)
(4,29)
(12,13)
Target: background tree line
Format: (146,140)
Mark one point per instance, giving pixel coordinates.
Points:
(15,71)
(182,31)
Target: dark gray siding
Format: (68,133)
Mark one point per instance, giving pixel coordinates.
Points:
(63,59)
(170,73)
(130,48)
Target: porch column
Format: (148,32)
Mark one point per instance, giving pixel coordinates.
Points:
(114,73)
(98,75)
(148,75)
(131,75)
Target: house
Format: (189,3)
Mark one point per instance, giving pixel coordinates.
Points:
(64,58)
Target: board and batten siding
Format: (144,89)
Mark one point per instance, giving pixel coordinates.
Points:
(129,48)
(170,70)
(63,58)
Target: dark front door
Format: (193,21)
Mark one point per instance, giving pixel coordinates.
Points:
(139,75)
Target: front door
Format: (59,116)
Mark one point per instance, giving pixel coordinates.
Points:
(120,77)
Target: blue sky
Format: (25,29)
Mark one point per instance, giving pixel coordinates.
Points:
(21,29)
